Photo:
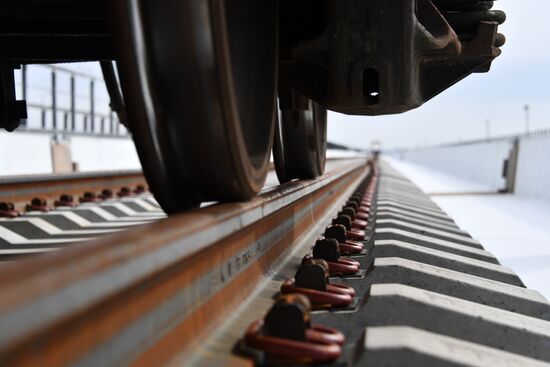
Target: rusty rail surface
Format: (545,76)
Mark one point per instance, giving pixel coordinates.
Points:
(20,190)
(151,295)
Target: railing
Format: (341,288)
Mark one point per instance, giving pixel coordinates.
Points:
(61,99)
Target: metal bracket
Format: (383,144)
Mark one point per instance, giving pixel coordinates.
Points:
(380,57)
(12,111)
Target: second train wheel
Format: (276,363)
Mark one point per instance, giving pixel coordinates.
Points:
(199,82)
(299,148)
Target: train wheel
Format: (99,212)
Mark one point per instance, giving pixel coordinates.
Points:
(300,145)
(199,82)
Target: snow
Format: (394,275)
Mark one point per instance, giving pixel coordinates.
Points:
(516,229)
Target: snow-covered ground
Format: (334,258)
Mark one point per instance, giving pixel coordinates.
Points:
(515,228)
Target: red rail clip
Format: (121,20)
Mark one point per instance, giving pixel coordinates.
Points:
(286,332)
(7,210)
(140,189)
(37,204)
(89,197)
(336,295)
(124,191)
(65,200)
(317,346)
(312,280)
(106,194)
(340,234)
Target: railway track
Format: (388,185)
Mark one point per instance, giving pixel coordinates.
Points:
(194,288)
(100,203)
(69,209)
(20,190)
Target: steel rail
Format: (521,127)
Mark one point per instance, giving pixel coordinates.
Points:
(20,190)
(152,294)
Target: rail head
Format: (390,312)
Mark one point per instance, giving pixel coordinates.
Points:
(70,176)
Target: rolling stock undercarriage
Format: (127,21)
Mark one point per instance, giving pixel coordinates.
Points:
(201,79)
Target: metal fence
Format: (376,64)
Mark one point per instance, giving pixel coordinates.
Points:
(62,99)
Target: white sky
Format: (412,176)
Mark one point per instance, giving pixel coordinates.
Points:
(520,75)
